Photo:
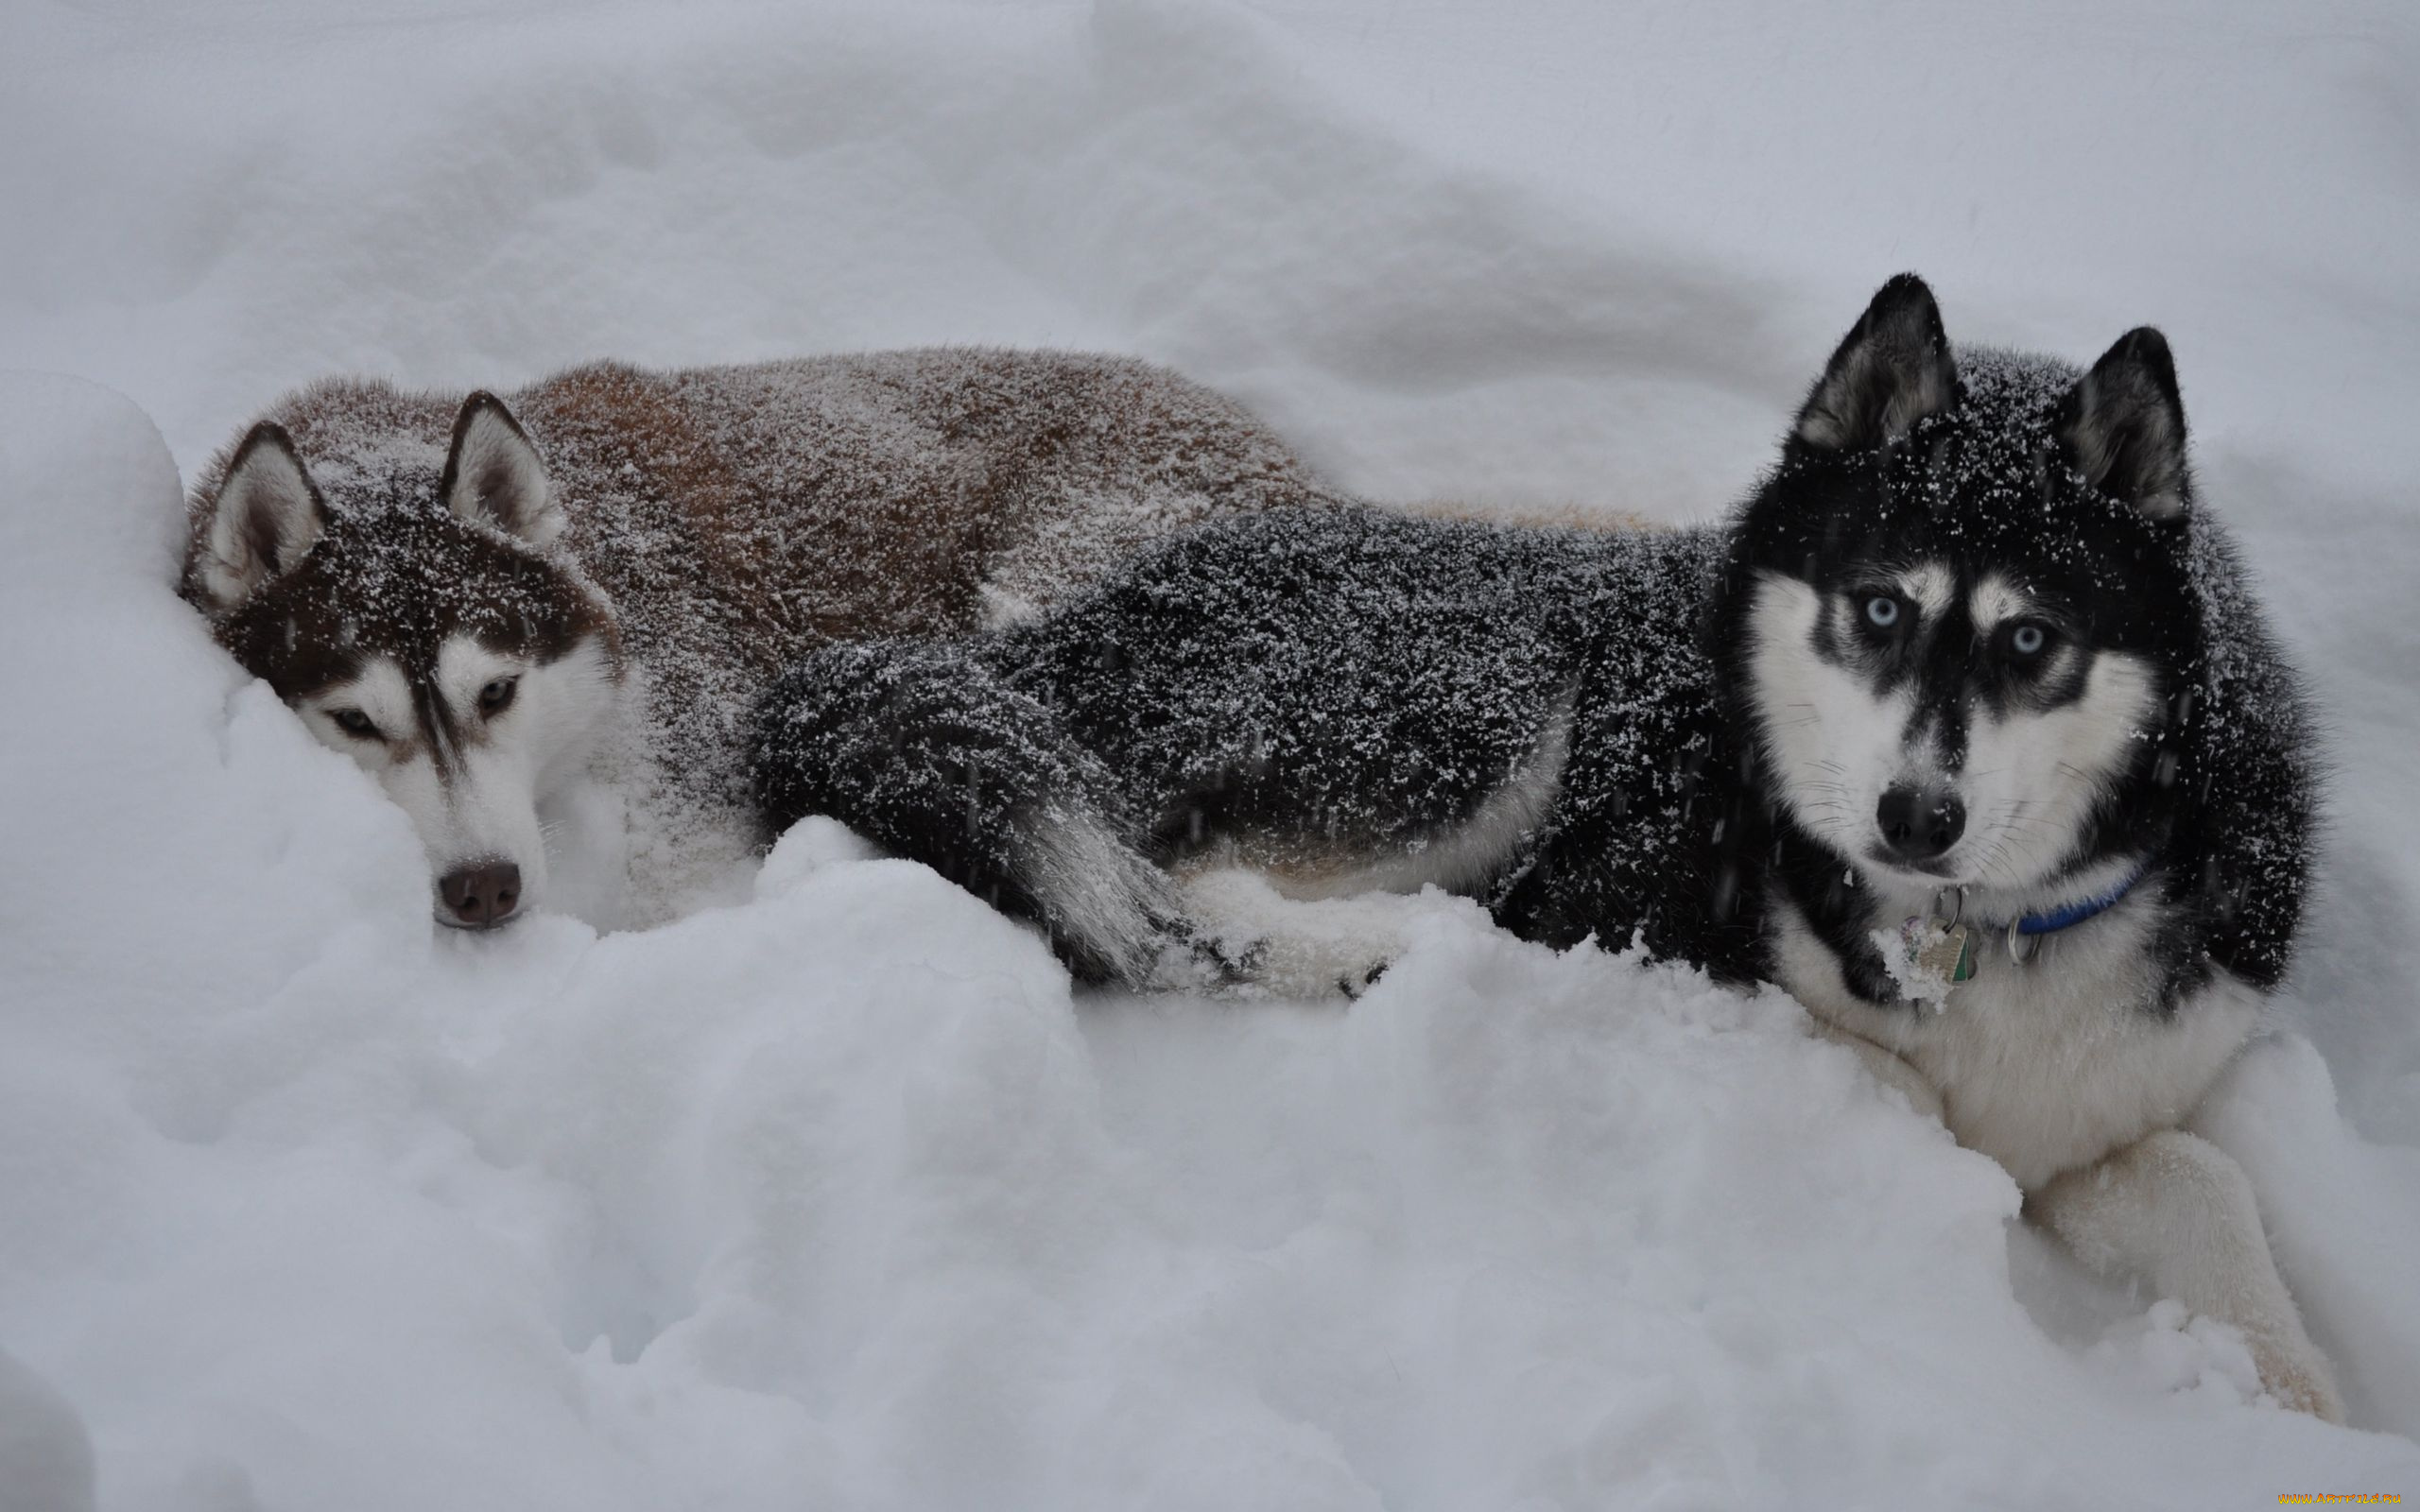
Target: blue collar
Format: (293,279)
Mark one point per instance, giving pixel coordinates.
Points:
(2076,913)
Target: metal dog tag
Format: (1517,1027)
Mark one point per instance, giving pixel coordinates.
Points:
(1945,952)
(1930,959)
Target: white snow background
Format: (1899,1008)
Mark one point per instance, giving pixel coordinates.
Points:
(835,1197)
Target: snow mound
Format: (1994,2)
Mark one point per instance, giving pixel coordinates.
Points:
(834,1196)
(837,1196)
(46,1455)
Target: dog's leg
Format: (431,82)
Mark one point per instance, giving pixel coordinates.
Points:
(1288,948)
(1888,1069)
(2172,1209)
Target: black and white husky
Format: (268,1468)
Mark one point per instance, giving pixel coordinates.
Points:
(1964,729)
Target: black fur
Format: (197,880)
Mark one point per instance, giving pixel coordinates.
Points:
(1358,682)
(2221,795)
(1342,681)
(930,754)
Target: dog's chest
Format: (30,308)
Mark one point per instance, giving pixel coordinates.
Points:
(2051,1064)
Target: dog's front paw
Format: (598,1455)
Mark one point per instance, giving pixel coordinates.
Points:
(1280,947)
(1321,965)
(1191,959)
(2296,1373)
(1353,987)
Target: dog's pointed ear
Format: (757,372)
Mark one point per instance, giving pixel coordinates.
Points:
(1890,370)
(2123,426)
(268,516)
(494,478)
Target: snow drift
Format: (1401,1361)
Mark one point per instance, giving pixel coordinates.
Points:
(836,1196)
(839,1197)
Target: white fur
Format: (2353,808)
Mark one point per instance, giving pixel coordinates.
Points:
(2044,1066)
(2051,1065)
(1931,585)
(2060,1071)
(1994,599)
(2175,1210)
(2029,780)
(1095,890)
(381,693)
(1832,743)
(488,810)
(2061,1068)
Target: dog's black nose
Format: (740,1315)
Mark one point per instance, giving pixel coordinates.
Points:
(1920,823)
(485,893)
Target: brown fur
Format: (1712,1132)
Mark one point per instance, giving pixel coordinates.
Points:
(735,517)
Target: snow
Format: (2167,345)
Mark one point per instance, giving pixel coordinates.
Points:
(1913,954)
(834,1194)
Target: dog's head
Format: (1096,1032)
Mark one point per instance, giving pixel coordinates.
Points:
(420,618)
(1959,621)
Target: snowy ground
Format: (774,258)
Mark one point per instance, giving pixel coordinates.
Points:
(835,1197)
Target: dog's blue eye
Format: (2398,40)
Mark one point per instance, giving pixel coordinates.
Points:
(355,723)
(2027,640)
(1883,610)
(495,695)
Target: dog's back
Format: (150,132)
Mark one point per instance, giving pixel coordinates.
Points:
(900,493)
(1346,699)
(738,516)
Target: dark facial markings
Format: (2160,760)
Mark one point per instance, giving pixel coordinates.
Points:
(439,730)
(448,732)
(2017,477)
(397,582)
(2029,660)
(356,724)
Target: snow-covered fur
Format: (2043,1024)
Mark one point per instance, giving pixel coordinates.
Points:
(466,596)
(1972,649)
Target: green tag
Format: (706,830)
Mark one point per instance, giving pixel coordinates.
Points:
(1948,955)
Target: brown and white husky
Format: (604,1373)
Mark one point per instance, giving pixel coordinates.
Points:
(481,600)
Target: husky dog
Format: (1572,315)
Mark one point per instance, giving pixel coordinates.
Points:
(1964,729)
(462,594)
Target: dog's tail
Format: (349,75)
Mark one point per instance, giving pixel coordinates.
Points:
(930,754)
